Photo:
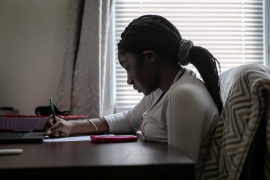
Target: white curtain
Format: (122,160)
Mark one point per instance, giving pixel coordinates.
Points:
(81,88)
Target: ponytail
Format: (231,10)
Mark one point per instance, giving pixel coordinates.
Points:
(206,63)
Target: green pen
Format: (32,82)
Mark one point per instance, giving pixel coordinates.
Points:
(54,119)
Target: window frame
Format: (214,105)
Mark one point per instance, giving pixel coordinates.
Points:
(266,28)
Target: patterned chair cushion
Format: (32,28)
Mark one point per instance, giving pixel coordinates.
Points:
(244,105)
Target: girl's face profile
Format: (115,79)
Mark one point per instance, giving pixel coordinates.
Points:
(139,74)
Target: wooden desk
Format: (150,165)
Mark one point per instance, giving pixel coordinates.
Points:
(85,160)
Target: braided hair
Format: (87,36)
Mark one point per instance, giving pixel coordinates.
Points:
(156,33)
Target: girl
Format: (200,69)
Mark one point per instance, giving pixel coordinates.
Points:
(178,108)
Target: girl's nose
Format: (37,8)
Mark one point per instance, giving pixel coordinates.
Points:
(129,80)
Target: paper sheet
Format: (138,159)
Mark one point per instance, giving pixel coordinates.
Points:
(66,139)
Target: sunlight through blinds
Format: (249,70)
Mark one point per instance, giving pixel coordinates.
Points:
(232,30)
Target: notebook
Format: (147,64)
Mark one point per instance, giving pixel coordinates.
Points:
(22,137)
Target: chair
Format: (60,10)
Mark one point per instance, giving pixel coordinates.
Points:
(254,164)
(241,143)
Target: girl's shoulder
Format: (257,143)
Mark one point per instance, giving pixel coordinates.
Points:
(191,90)
(189,83)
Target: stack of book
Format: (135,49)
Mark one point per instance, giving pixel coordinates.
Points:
(8,110)
(9,122)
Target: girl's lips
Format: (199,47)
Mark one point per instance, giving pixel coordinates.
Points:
(136,88)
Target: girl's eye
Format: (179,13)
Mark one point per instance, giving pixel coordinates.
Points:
(127,68)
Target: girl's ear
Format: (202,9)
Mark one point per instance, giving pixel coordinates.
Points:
(150,56)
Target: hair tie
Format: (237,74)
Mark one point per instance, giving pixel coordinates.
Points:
(183,52)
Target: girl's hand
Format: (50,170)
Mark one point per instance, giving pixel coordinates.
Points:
(48,123)
(60,129)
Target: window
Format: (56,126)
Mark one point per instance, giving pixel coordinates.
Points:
(232,30)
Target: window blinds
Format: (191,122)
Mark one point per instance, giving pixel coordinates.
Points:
(232,30)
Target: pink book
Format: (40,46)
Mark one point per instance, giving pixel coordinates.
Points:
(15,122)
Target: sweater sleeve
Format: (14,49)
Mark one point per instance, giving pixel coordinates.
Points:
(130,121)
(190,110)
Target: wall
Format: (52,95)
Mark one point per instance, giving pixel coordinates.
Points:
(32,45)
